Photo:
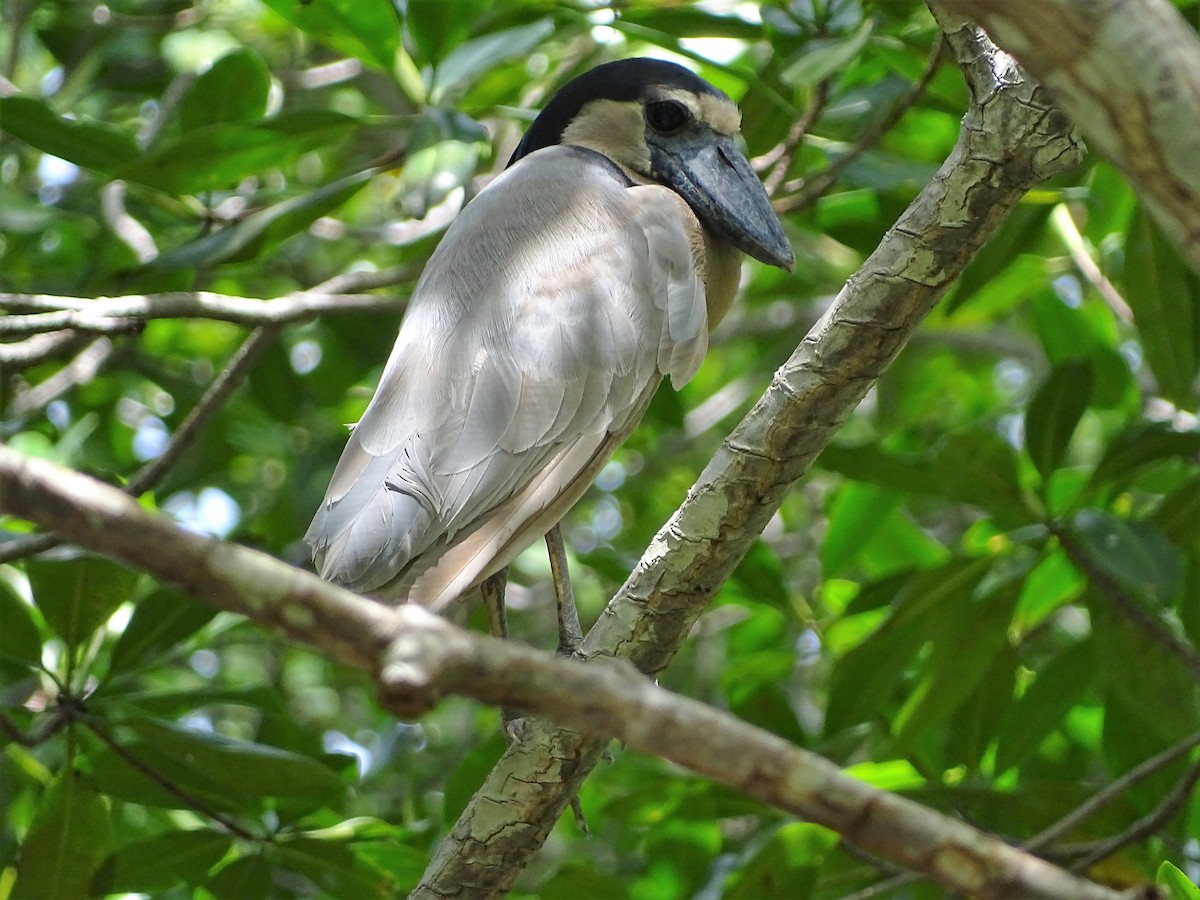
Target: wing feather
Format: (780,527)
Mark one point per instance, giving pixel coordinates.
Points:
(532,344)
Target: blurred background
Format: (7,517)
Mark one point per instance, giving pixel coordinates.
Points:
(984,596)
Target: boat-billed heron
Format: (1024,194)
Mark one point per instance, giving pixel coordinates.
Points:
(592,267)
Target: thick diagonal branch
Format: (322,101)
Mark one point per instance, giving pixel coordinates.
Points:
(1011,139)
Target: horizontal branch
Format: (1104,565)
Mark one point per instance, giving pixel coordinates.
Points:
(51,317)
(104,315)
(417,657)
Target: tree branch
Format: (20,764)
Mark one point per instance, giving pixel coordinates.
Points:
(45,312)
(1128,73)
(1147,825)
(1042,841)
(1110,792)
(33,350)
(417,657)
(148,476)
(80,370)
(805,191)
(1010,140)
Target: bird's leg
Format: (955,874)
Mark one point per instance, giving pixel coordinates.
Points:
(492,589)
(570,635)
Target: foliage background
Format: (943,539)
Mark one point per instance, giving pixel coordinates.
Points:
(985,596)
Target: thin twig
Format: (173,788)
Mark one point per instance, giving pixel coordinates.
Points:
(795,137)
(49,312)
(40,347)
(202,413)
(1147,825)
(214,398)
(80,370)
(108,315)
(805,191)
(1110,792)
(49,727)
(132,233)
(1068,231)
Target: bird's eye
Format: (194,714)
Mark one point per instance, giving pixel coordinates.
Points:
(667,116)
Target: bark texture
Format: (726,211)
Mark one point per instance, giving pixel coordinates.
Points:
(1011,139)
(1128,74)
(416,657)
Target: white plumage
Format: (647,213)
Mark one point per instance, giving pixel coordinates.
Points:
(533,342)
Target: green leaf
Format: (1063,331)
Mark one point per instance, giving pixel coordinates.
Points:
(1143,444)
(820,59)
(472,58)
(856,514)
(89,144)
(1137,554)
(1053,583)
(1153,687)
(1064,681)
(1069,334)
(575,879)
(436,26)
(252,769)
(79,595)
(1178,514)
(159,623)
(162,862)
(221,155)
(235,89)
(976,467)
(974,725)
(1053,413)
(1177,885)
(369,31)
(246,878)
(70,837)
(19,636)
(970,637)
(871,673)
(785,866)
(1164,295)
(761,574)
(176,702)
(900,543)
(333,867)
(223,772)
(261,231)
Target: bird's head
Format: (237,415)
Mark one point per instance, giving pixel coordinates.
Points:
(667,125)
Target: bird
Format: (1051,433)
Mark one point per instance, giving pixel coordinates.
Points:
(593,267)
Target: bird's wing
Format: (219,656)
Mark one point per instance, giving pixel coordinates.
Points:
(557,300)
